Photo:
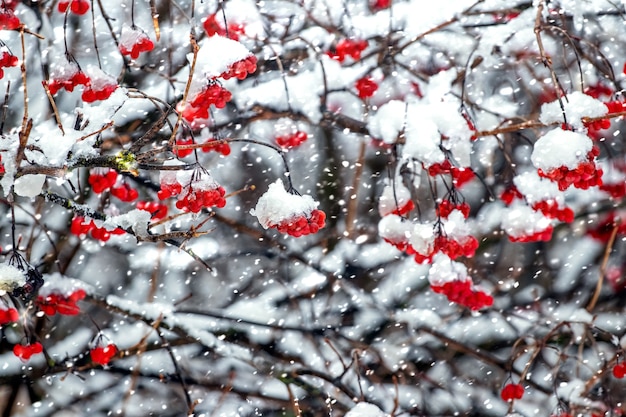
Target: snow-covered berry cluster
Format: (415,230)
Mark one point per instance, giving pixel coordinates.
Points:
(67,75)
(194,190)
(215,26)
(460,175)
(134,41)
(289,213)
(81,227)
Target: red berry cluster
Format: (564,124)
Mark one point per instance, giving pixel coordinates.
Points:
(599,90)
(348,47)
(619,370)
(68,80)
(216,145)
(101,180)
(291,141)
(196,199)
(198,107)
(241,68)
(213,27)
(137,42)
(103,354)
(62,304)
(512,392)
(455,249)
(80,228)
(79,7)
(463,293)
(542,235)
(24,352)
(446,207)
(366,87)
(7,60)
(10,315)
(603,230)
(8,20)
(101,91)
(585,175)
(302,225)
(124,192)
(552,210)
(193,197)
(157,210)
(460,176)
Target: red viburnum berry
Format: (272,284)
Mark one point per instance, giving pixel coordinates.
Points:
(366,87)
(214,26)
(181,153)
(463,293)
(216,145)
(446,207)
(24,352)
(124,192)
(198,107)
(59,303)
(615,190)
(102,179)
(79,227)
(7,60)
(195,199)
(619,370)
(348,47)
(157,210)
(512,392)
(241,68)
(8,20)
(100,87)
(7,316)
(585,175)
(134,41)
(381,4)
(510,194)
(66,77)
(103,354)
(552,210)
(79,7)
(598,90)
(302,225)
(293,140)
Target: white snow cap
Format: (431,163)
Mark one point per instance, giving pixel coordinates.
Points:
(11,278)
(130,36)
(521,220)
(560,147)
(577,105)
(277,205)
(394,228)
(29,185)
(444,269)
(535,188)
(217,54)
(365,410)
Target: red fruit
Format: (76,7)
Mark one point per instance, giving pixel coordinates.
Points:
(216,145)
(24,352)
(584,176)
(381,4)
(512,392)
(446,207)
(8,20)
(9,316)
(366,87)
(134,41)
(463,293)
(293,140)
(181,153)
(158,211)
(79,227)
(241,68)
(348,47)
(101,180)
(213,26)
(59,303)
(103,354)
(301,226)
(542,235)
(551,209)
(619,370)
(125,192)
